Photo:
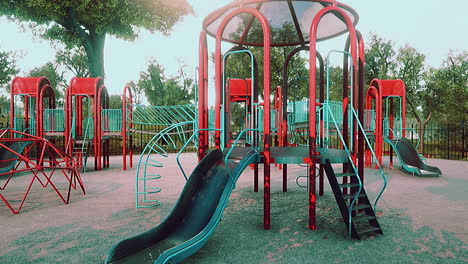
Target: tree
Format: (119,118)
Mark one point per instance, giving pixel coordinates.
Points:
(74,60)
(56,79)
(84,23)
(380,59)
(411,70)
(115,102)
(8,68)
(137,92)
(449,97)
(4,106)
(160,90)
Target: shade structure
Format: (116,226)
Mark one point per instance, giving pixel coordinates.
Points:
(290,22)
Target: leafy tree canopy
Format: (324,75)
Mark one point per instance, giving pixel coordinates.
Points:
(448,89)
(115,102)
(137,92)
(409,67)
(160,90)
(55,77)
(380,58)
(74,60)
(8,68)
(86,23)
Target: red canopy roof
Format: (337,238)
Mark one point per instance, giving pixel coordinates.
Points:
(290,22)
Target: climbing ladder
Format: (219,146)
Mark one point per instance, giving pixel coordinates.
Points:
(80,148)
(149,165)
(80,153)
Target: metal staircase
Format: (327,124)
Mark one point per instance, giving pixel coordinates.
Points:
(353,203)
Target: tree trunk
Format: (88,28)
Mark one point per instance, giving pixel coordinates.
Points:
(94,47)
(422,128)
(92,42)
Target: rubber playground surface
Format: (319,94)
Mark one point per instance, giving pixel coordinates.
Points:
(424,220)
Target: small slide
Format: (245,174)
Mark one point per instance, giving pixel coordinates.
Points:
(193,219)
(409,158)
(8,160)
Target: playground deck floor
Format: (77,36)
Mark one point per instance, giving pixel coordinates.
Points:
(424,220)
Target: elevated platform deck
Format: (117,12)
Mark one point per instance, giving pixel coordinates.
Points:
(292,155)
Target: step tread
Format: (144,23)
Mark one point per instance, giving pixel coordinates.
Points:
(352,195)
(366,229)
(82,142)
(362,218)
(346,185)
(346,174)
(361,206)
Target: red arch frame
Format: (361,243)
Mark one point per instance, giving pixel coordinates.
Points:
(34,87)
(95,89)
(312,95)
(266,84)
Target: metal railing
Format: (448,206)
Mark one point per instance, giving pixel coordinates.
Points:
(54,120)
(111,120)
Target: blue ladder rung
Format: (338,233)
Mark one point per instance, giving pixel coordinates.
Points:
(156,203)
(153,165)
(155,177)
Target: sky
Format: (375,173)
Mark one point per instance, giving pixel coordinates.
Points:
(433,27)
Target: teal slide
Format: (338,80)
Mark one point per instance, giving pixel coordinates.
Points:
(8,159)
(410,159)
(193,219)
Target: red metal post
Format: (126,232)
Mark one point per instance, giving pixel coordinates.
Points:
(12,103)
(202,94)
(403,107)
(312,96)
(360,104)
(373,93)
(266,84)
(322,128)
(126,126)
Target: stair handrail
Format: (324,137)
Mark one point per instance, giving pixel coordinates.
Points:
(353,202)
(88,119)
(195,133)
(70,135)
(374,156)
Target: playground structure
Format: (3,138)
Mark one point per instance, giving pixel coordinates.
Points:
(385,121)
(35,93)
(16,151)
(85,123)
(258,23)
